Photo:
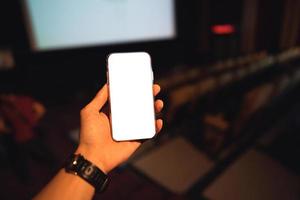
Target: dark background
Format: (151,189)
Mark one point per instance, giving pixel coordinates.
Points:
(65,80)
(69,70)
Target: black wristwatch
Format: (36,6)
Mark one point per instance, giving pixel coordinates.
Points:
(83,168)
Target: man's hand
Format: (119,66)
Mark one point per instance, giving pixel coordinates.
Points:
(96,143)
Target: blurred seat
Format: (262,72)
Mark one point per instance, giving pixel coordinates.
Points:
(255,176)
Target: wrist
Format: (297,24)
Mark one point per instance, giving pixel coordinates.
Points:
(78,165)
(93,157)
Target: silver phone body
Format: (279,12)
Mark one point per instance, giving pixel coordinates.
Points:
(130,83)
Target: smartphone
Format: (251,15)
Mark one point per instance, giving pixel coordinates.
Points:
(130,83)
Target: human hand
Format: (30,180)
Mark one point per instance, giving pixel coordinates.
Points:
(96,143)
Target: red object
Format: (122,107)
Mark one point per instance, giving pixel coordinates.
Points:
(223,29)
(18,111)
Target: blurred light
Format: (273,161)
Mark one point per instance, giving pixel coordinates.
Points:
(223,29)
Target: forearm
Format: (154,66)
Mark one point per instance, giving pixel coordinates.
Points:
(66,186)
(69,186)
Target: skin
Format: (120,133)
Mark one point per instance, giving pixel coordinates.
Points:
(96,145)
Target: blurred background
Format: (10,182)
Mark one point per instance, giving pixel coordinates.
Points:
(230,77)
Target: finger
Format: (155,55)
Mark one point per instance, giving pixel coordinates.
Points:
(156,89)
(100,99)
(159,125)
(159,104)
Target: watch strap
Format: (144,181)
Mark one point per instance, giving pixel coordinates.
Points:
(85,169)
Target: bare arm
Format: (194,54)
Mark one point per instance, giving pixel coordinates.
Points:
(97,146)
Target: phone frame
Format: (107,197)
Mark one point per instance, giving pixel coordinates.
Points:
(109,98)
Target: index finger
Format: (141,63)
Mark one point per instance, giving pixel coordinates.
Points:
(100,99)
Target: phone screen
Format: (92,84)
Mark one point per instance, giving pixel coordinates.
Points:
(130,80)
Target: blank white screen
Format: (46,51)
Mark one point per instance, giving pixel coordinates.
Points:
(131,96)
(59,24)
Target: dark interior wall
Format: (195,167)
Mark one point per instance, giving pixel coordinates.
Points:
(185,49)
(213,12)
(12,31)
(226,12)
(57,72)
(270,25)
(14,34)
(298,41)
(223,12)
(290,24)
(188,27)
(270,14)
(203,32)
(249,26)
